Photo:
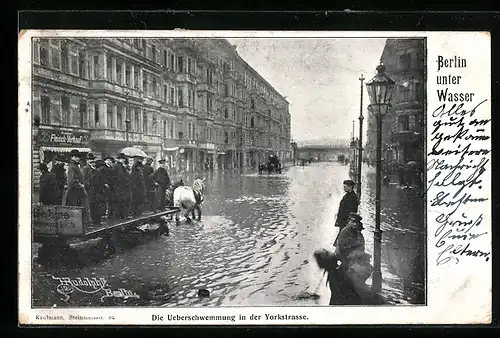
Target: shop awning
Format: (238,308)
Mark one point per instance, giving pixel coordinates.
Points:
(65,149)
(172,149)
(221,152)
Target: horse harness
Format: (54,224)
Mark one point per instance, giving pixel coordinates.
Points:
(198,196)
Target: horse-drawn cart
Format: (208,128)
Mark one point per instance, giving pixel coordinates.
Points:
(58,226)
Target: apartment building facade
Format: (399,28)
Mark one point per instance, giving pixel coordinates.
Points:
(403,127)
(195,102)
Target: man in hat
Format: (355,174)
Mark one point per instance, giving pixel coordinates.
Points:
(138,187)
(348,204)
(350,250)
(120,188)
(87,170)
(98,192)
(77,195)
(149,183)
(162,180)
(60,171)
(49,189)
(109,161)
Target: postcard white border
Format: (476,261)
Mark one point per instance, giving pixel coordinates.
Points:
(458,294)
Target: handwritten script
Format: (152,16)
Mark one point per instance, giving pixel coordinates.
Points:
(458,159)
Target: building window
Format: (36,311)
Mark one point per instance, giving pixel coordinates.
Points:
(252,124)
(164,128)
(226,90)
(145,123)
(171,129)
(155,88)
(226,114)
(165,93)
(145,83)
(189,131)
(136,78)
(252,103)
(74,60)
(109,117)
(137,121)
(64,57)
(83,113)
(44,55)
(180,64)
(180,97)
(165,59)
(405,61)
(96,115)
(66,110)
(45,102)
(56,56)
(155,126)
(96,66)
(119,118)
(109,70)
(418,91)
(119,78)
(81,64)
(36,51)
(172,62)
(172,96)
(404,123)
(153,53)
(226,138)
(181,135)
(127,75)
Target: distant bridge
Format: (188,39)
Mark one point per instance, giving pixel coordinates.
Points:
(320,153)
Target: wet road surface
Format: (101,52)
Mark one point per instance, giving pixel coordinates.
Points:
(254,246)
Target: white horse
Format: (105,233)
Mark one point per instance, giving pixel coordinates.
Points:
(189,198)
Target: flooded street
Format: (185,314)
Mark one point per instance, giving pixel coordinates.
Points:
(254,245)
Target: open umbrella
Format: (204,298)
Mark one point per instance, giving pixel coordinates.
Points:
(133,152)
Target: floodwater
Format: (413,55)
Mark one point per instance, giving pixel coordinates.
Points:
(254,246)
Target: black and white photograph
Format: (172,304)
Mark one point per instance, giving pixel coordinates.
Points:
(214,172)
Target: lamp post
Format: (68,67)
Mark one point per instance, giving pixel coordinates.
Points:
(127,119)
(360,143)
(380,90)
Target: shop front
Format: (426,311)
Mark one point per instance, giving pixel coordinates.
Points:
(50,142)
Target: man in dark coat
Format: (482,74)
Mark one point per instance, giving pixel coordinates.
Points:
(109,162)
(120,188)
(348,204)
(162,180)
(77,195)
(98,192)
(138,187)
(87,171)
(60,172)
(49,189)
(149,183)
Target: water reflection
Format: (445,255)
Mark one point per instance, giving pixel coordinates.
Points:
(254,245)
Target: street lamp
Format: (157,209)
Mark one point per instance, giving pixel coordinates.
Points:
(380,90)
(127,119)
(360,144)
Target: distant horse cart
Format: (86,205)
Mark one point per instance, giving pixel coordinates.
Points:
(272,165)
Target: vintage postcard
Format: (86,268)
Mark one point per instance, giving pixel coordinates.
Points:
(239,178)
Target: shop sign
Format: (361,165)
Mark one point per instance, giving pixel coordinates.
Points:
(62,138)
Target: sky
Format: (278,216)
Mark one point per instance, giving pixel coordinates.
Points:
(319,77)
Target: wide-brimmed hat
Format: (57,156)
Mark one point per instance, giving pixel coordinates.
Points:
(121,155)
(100,163)
(90,156)
(349,182)
(74,152)
(162,160)
(61,157)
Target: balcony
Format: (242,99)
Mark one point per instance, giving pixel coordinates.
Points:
(204,86)
(186,77)
(407,105)
(204,115)
(186,143)
(120,135)
(228,99)
(186,111)
(57,75)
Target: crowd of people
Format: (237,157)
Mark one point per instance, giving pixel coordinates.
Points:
(109,188)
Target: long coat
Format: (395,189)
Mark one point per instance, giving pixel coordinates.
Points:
(60,172)
(49,189)
(87,171)
(348,204)
(148,179)
(77,195)
(120,184)
(161,177)
(98,189)
(137,185)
